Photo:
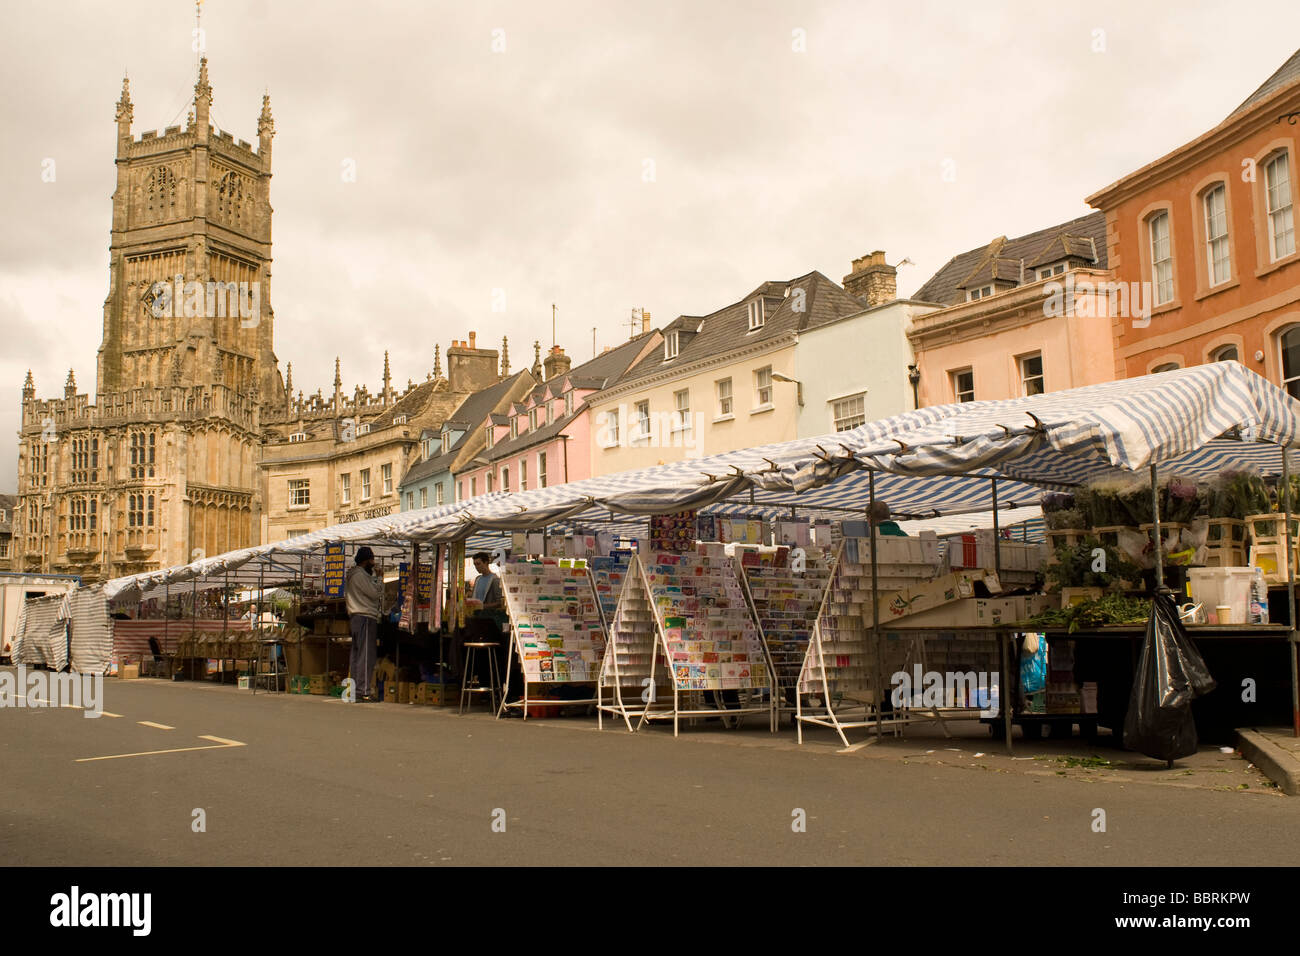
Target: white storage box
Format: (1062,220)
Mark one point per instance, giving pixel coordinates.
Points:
(1222,587)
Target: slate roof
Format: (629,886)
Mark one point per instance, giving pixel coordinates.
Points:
(824,302)
(7,503)
(470,414)
(600,372)
(1286,74)
(1084,238)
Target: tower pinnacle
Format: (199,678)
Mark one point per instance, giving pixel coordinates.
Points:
(125,111)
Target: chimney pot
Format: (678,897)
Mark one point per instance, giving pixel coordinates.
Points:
(471,339)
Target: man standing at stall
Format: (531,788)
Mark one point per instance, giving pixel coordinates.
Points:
(364,595)
(487,607)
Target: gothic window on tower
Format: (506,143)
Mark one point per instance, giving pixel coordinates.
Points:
(160,194)
(83,514)
(143,446)
(85,460)
(230,196)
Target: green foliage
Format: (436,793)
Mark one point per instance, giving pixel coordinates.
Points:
(1074,567)
(1113,609)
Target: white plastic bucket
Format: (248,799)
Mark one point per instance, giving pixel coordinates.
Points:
(1218,587)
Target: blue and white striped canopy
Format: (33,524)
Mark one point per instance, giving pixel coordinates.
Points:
(1195,423)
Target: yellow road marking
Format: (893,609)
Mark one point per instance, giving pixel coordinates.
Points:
(150,723)
(221,743)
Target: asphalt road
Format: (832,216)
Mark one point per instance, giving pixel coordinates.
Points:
(317,781)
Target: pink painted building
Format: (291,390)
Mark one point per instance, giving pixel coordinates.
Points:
(545,437)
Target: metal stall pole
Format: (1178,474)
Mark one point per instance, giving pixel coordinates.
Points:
(875,598)
(167,593)
(1006,643)
(225,612)
(1290,595)
(255,624)
(1155,530)
(194,616)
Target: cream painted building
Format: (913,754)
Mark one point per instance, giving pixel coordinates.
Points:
(719,382)
(340,461)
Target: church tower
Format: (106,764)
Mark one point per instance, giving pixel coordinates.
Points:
(190,257)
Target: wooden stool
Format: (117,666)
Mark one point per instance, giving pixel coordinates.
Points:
(493,689)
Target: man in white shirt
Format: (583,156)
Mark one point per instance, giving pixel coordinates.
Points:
(364,594)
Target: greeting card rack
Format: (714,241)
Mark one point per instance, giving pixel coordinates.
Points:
(840,672)
(706,634)
(630,672)
(557,632)
(787,588)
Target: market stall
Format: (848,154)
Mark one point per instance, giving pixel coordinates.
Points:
(1191,424)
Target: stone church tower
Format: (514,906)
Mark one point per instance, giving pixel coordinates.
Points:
(163,466)
(191,213)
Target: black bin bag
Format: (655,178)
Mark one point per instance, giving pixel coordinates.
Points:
(1170,673)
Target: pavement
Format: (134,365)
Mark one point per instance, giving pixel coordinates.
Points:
(201,774)
(1276,750)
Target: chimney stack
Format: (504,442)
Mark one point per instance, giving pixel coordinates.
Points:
(470,368)
(645,321)
(872,279)
(557,363)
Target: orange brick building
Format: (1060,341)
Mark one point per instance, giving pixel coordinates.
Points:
(1211,229)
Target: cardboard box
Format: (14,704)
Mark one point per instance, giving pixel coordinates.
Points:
(320,684)
(244,682)
(340,627)
(129,672)
(391,691)
(437,695)
(932,594)
(971,612)
(405,691)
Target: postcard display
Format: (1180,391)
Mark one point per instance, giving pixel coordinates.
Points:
(701,627)
(838,671)
(555,619)
(787,588)
(608,574)
(631,668)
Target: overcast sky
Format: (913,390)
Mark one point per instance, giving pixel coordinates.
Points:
(526,170)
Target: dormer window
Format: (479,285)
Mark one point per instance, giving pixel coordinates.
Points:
(981,293)
(757,315)
(446,442)
(568,403)
(1046,272)
(363,429)
(399,420)
(514,427)
(298,436)
(489,435)
(671,344)
(532,419)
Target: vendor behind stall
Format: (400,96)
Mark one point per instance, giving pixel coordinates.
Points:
(487,607)
(880,517)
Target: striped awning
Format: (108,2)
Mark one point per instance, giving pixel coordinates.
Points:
(1196,423)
